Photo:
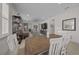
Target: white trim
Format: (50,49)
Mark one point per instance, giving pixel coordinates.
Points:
(4,18)
(4,35)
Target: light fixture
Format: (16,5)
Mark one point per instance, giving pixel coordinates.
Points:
(28,15)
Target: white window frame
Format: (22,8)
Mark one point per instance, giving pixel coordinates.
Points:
(4,20)
(5,26)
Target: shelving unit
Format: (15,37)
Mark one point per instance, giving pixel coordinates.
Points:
(20,28)
(16,22)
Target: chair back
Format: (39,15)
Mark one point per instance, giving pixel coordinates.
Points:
(55,46)
(11,40)
(65,42)
(15,38)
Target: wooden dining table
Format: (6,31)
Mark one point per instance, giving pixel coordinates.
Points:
(36,44)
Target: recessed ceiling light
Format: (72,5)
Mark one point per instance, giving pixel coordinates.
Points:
(28,15)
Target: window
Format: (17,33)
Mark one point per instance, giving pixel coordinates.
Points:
(4,26)
(5,18)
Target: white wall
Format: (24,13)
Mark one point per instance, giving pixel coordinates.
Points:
(51,26)
(71,13)
(3,46)
(0,18)
(12,11)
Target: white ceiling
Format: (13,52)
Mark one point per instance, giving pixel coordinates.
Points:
(38,11)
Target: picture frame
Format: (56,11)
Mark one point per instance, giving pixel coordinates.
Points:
(69,24)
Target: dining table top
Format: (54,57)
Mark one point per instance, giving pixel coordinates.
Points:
(54,36)
(37,44)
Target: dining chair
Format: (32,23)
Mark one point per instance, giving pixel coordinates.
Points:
(55,46)
(65,42)
(14,47)
(11,40)
(66,38)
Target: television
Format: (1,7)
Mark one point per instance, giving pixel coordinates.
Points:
(44,26)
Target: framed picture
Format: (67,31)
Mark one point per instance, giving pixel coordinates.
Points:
(69,24)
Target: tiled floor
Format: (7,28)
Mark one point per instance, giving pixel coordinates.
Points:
(73,48)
